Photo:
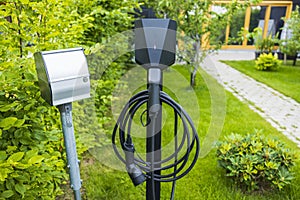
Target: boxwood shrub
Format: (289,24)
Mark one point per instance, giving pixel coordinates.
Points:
(267,62)
(255,162)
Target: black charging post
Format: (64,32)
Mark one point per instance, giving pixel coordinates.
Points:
(153,145)
(155,47)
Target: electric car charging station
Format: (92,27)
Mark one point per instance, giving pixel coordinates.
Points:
(64,77)
(155,49)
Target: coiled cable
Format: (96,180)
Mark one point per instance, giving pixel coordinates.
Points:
(189,139)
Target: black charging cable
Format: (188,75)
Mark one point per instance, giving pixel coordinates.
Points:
(137,168)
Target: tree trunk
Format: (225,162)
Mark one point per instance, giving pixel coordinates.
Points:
(196,63)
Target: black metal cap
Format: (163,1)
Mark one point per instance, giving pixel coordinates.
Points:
(155,42)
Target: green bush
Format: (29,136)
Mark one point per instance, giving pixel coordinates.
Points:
(32,155)
(255,162)
(291,46)
(93,117)
(31,146)
(267,62)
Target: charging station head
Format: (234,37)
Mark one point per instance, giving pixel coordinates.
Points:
(155,42)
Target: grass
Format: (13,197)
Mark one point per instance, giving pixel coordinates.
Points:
(286,80)
(219,111)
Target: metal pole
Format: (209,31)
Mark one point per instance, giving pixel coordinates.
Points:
(153,143)
(70,144)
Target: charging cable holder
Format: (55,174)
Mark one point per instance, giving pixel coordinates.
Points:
(155,48)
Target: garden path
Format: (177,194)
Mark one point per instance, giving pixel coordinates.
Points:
(280,111)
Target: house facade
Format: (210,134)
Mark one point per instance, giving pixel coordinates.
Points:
(269,15)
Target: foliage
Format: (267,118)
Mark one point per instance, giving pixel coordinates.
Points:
(93,117)
(265,45)
(235,25)
(258,39)
(32,158)
(267,62)
(237,31)
(291,45)
(32,155)
(107,63)
(107,59)
(196,18)
(239,37)
(110,17)
(255,162)
(198,21)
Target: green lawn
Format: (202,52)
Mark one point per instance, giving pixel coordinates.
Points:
(206,181)
(286,80)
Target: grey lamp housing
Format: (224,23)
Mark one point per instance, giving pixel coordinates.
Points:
(63,75)
(155,42)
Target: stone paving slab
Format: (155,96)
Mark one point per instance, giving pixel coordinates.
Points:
(280,111)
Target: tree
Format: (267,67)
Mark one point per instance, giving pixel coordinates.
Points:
(197,20)
(291,45)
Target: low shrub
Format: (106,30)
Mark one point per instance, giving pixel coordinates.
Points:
(255,162)
(267,62)
(32,159)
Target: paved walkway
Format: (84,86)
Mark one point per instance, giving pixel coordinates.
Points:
(280,111)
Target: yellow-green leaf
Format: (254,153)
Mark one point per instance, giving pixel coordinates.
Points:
(2,155)
(19,123)
(4,173)
(15,157)
(20,188)
(7,194)
(35,159)
(8,107)
(8,122)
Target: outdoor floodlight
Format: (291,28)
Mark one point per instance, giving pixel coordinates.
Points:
(63,78)
(155,42)
(63,75)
